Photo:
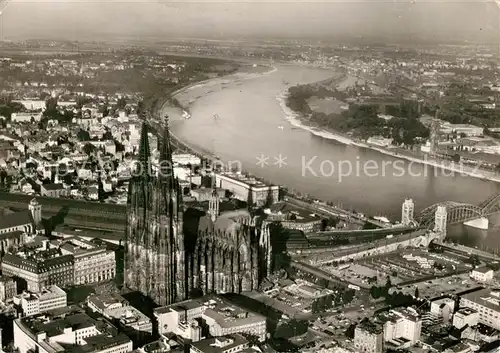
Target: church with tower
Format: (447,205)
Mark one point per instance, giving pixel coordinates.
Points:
(228,252)
(16,226)
(154,240)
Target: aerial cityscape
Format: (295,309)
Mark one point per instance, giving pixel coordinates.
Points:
(254,192)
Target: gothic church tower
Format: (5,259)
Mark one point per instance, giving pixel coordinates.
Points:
(154,241)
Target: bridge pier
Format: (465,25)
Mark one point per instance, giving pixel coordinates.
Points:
(479,223)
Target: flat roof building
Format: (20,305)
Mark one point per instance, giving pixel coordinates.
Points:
(443,308)
(220,315)
(464,317)
(70,333)
(466,129)
(487,303)
(232,343)
(369,337)
(402,324)
(47,299)
(185,159)
(114,306)
(248,189)
(292,217)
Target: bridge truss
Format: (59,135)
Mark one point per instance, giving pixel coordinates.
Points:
(491,205)
(458,212)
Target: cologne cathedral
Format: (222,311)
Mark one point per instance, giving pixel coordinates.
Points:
(228,252)
(232,252)
(154,241)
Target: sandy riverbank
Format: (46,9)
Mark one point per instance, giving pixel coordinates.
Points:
(299,121)
(223,80)
(169,109)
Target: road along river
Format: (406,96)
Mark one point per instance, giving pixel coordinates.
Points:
(252,125)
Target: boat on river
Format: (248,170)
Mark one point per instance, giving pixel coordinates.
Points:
(186,115)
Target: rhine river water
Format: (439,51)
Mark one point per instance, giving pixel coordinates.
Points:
(252,123)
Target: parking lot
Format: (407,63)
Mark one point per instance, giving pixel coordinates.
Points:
(304,339)
(440,286)
(292,299)
(335,323)
(356,274)
(275,303)
(334,326)
(407,265)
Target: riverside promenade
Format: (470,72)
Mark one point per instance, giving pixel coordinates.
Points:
(292,198)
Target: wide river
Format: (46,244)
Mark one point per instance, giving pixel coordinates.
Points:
(251,123)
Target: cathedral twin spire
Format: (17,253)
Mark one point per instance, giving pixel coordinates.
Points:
(144,177)
(166,170)
(155,256)
(165,174)
(144,153)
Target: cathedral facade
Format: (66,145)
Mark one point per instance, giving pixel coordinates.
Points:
(232,252)
(229,253)
(154,241)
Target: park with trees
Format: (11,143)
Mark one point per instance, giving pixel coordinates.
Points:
(396,298)
(339,298)
(360,120)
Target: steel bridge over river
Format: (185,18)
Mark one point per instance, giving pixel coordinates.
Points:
(459,212)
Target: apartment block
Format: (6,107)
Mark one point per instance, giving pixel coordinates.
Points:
(487,304)
(369,337)
(8,288)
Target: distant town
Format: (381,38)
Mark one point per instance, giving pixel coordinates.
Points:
(439,106)
(100,256)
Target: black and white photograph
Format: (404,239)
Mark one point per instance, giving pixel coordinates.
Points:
(249,176)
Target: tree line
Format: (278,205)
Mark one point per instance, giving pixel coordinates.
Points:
(322,304)
(396,298)
(361,119)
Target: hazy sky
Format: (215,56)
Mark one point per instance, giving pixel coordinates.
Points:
(384,19)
